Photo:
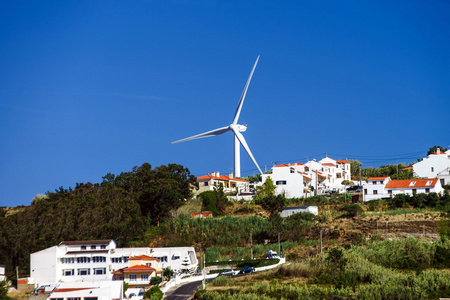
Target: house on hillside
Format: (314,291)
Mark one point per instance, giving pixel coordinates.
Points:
(139,272)
(375,188)
(411,186)
(432,165)
(230,184)
(88,291)
(296,180)
(444,176)
(288,180)
(384,187)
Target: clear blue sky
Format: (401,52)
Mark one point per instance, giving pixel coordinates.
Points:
(91,87)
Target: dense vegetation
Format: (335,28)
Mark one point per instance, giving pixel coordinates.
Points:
(119,208)
(398,269)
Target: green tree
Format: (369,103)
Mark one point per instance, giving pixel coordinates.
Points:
(433,149)
(265,190)
(215,201)
(4,290)
(167,273)
(156,280)
(273,204)
(154,293)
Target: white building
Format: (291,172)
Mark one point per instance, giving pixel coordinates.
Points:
(411,186)
(289,211)
(2,272)
(432,165)
(230,184)
(384,187)
(78,261)
(444,176)
(375,188)
(100,290)
(288,180)
(296,180)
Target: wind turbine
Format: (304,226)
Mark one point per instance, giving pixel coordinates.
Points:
(236,128)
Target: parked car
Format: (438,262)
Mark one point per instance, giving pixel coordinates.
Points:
(271,255)
(354,188)
(227,272)
(247,270)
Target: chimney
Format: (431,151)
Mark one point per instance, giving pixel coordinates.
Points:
(230,175)
(213,173)
(217,174)
(438,151)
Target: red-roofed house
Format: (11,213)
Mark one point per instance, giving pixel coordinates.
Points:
(375,188)
(230,183)
(383,187)
(139,272)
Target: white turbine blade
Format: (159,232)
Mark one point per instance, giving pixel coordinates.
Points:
(205,134)
(241,101)
(244,144)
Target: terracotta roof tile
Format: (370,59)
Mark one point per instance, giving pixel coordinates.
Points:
(406,183)
(377,178)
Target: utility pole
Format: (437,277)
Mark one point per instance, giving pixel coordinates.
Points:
(424,232)
(360,178)
(397,164)
(279,246)
(251,245)
(386,230)
(321,241)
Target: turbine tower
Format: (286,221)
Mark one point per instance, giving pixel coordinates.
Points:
(236,128)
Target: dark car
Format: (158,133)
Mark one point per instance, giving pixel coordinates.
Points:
(354,188)
(247,270)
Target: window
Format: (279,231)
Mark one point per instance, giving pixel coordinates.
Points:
(176,257)
(74,298)
(98,259)
(83,260)
(99,271)
(144,277)
(427,190)
(281,182)
(148,264)
(84,272)
(390,192)
(429,182)
(414,191)
(132,277)
(412,183)
(68,260)
(375,192)
(432,169)
(68,272)
(90,298)
(125,259)
(116,259)
(83,247)
(103,247)
(292,171)
(365,191)
(162,259)
(205,183)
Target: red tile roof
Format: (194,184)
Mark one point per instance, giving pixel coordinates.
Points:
(137,268)
(377,178)
(406,183)
(328,164)
(222,177)
(146,257)
(343,161)
(280,166)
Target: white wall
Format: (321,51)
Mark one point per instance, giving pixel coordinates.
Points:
(43,266)
(430,167)
(293,186)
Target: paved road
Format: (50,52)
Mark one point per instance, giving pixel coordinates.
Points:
(187,290)
(183,292)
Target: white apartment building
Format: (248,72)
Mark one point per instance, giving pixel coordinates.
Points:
(296,180)
(432,165)
(81,261)
(375,188)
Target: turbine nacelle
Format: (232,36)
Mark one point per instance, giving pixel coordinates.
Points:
(238,127)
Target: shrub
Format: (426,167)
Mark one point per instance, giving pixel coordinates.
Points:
(155,280)
(352,210)
(154,293)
